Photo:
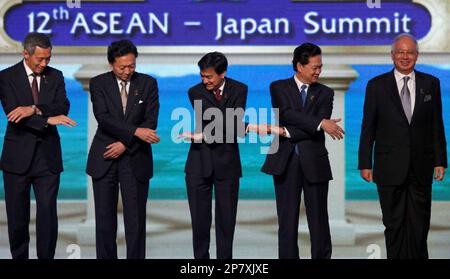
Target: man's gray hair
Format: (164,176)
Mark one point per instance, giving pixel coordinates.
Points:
(404,35)
(32,40)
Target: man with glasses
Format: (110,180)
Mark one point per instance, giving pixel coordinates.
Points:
(403,120)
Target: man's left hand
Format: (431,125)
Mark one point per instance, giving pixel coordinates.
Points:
(439,173)
(114,150)
(191,136)
(20,113)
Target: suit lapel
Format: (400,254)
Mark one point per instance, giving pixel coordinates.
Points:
(114,93)
(294,93)
(132,94)
(43,95)
(227,91)
(209,96)
(24,85)
(393,94)
(312,95)
(419,94)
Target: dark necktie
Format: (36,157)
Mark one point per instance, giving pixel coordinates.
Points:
(217,95)
(405,96)
(303,93)
(34,89)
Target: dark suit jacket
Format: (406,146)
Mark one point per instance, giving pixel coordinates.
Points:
(141,112)
(21,138)
(302,123)
(399,144)
(222,159)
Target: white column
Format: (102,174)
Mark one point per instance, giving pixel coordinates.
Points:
(85,232)
(339,78)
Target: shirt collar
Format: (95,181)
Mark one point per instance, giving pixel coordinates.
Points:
(300,84)
(27,69)
(222,86)
(399,76)
(120,81)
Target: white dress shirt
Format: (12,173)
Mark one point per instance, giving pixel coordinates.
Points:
(30,77)
(299,85)
(411,85)
(221,88)
(119,81)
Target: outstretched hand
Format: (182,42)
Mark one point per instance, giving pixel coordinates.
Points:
(333,129)
(191,136)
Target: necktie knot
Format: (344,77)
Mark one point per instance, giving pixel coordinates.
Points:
(303,93)
(405,89)
(34,89)
(405,80)
(405,97)
(217,94)
(123,95)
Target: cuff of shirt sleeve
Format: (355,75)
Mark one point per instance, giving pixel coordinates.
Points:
(287,132)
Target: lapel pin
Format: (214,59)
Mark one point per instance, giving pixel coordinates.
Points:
(421,91)
(136,92)
(311,98)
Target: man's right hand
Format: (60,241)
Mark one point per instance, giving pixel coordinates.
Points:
(333,129)
(147,135)
(366,174)
(61,120)
(260,129)
(20,113)
(191,136)
(266,129)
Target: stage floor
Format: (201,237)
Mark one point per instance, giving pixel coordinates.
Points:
(169,231)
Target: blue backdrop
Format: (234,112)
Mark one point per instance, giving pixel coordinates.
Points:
(174,81)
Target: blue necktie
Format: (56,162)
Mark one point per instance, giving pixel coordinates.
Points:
(303,93)
(303,96)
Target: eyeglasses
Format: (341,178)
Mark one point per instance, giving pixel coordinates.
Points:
(409,53)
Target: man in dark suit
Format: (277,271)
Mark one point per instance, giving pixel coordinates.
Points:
(34,99)
(213,158)
(125,104)
(403,119)
(301,161)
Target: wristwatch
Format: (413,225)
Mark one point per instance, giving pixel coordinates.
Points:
(36,110)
